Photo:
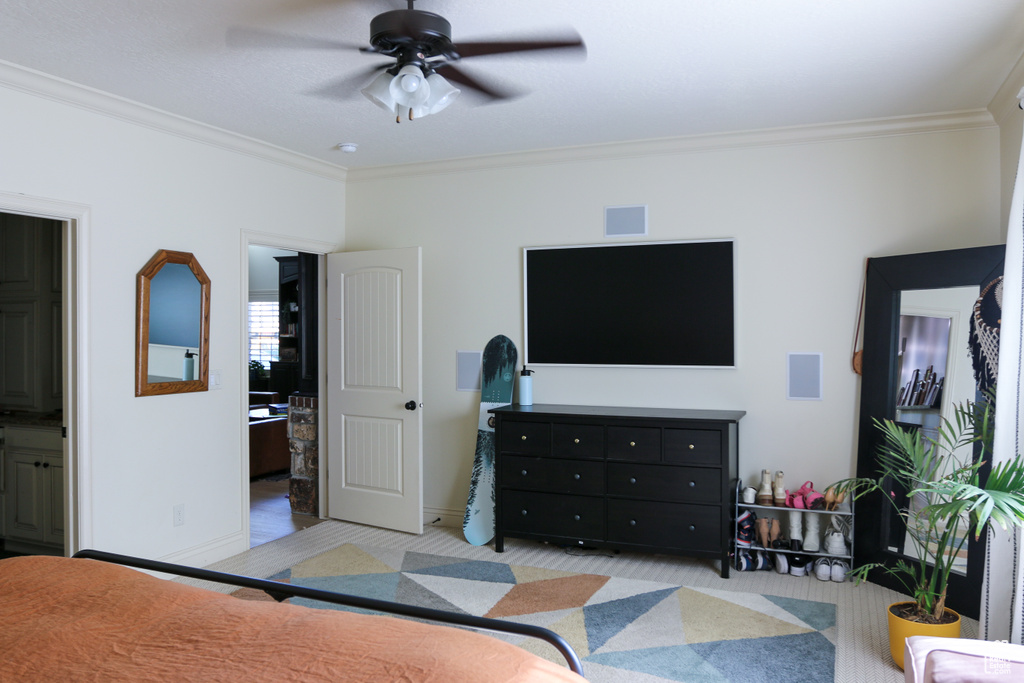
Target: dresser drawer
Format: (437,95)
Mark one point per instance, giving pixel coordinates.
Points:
(577,441)
(552,514)
(693,446)
(549,474)
(525,437)
(658,482)
(673,526)
(634,443)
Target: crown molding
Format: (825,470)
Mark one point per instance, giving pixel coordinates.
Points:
(37,83)
(796,135)
(1006,101)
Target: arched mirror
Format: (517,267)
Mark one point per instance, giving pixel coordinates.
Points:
(917,365)
(172,325)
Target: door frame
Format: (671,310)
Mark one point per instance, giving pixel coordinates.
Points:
(291,243)
(74,219)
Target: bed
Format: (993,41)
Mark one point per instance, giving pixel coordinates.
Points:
(88,618)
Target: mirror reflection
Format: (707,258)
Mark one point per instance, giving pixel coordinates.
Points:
(172,325)
(933,375)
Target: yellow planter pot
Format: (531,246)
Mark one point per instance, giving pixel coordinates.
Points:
(900,629)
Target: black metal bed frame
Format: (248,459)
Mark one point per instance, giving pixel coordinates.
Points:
(282,591)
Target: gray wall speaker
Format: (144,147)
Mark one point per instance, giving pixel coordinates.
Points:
(804,381)
(623,221)
(468,370)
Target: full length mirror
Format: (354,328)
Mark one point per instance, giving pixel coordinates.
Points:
(172,325)
(917,367)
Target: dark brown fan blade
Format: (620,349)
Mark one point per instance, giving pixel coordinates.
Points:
(259,38)
(480,48)
(348,86)
(462,78)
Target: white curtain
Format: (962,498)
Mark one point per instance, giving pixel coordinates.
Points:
(1002,595)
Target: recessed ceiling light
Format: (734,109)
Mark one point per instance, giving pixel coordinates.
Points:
(347,147)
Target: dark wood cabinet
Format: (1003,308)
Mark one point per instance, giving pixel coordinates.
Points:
(644,479)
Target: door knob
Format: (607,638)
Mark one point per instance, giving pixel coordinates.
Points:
(411,405)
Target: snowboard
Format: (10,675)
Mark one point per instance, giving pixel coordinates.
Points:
(498,374)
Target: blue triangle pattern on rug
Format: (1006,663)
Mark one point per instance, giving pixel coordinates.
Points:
(605,619)
(804,657)
(814,614)
(473,570)
(674,662)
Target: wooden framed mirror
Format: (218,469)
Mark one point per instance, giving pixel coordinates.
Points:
(172,325)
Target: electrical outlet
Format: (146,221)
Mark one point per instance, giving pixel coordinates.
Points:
(179,514)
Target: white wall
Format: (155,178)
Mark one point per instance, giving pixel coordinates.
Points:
(805,214)
(160,184)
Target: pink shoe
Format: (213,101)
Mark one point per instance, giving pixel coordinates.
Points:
(794,500)
(812,499)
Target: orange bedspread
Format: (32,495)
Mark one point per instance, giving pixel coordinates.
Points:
(67,619)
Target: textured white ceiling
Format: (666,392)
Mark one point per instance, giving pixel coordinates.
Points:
(654,68)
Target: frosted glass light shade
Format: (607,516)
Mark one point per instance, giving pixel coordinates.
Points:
(379,92)
(442,93)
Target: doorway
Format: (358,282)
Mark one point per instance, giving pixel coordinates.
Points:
(282,353)
(38,378)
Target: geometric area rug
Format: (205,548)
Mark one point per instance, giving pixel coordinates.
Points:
(622,629)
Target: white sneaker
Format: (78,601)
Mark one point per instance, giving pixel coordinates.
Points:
(835,542)
(798,567)
(823,569)
(781,564)
(838,572)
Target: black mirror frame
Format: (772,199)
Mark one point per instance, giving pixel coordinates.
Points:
(886,277)
(143,387)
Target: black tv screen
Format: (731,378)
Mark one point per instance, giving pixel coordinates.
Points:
(657,304)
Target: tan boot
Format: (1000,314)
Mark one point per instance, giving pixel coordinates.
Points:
(764,494)
(779,491)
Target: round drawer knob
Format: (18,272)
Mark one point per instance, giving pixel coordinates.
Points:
(692,483)
(523,513)
(692,527)
(576,477)
(524,473)
(575,440)
(632,443)
(576,517)
(692,446)
(524,437)
(632,522)
(632,480)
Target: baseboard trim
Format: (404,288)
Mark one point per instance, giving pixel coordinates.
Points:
(443,517)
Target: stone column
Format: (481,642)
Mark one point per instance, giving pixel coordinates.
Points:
(304,486)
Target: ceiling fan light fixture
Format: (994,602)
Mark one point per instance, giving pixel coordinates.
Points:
(409,88)
(442,93)
(379,92)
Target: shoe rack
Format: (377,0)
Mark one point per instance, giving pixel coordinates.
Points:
(843,510)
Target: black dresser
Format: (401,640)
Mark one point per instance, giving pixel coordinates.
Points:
(642,479)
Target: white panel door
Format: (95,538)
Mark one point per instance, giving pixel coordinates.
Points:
(374,425)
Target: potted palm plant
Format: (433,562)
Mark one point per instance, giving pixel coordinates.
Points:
(948,500)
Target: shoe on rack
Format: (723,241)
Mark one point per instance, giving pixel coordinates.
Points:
(774,533)
(760,560)
(798,565)
(745,529)
(750,495)
(762,527)
(781,563)
(823,569)
(838,572)
(795,525)
(778,490)
(812,532)
(835,542)
(764,493)
(743,561)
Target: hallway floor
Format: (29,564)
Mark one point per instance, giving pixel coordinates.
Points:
(270,513)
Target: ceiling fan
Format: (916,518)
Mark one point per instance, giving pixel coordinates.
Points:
(420,45)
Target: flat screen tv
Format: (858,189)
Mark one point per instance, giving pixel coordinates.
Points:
(653,304)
